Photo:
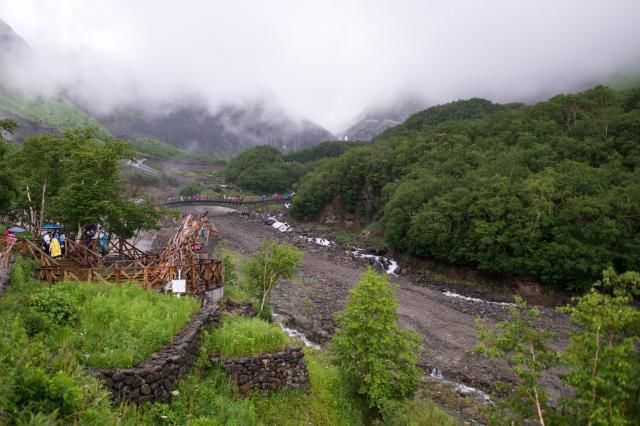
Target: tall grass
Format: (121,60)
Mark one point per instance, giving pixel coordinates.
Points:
(239,336)
(332,401)
(121,325)
(116,326)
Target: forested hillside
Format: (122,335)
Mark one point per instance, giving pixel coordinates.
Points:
(265,169)
(550,190)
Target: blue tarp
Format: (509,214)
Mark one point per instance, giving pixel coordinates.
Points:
(51,226)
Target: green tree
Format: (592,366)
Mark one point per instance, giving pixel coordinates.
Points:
(525,349)
(191,189)
(602,356)
(7,177)
(370,346)
(74,179)
(263,169)
(230,276)
(269,265)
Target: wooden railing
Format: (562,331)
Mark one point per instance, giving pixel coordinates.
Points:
(200,275)
(124,248)
(30,248)
(81,254)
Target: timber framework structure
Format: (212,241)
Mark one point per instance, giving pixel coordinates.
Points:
(184,257)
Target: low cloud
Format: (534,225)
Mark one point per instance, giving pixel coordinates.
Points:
(325,61)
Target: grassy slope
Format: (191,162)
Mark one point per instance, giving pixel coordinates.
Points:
(39,375)
(161,149)
(117,326)
(55,111)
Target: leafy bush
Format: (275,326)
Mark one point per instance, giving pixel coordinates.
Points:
(37,322)
(229,271)
(54,305)
(240,336)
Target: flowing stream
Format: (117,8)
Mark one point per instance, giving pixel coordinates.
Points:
(474,299)
(298,335)
(461,388)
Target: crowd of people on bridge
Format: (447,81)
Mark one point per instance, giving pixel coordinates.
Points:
(231,199)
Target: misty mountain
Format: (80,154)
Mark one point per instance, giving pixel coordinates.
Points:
(10,41)
(191,126)
(223,134)
(11,104)
(376,119)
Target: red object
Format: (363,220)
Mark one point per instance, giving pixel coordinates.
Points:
(9,238)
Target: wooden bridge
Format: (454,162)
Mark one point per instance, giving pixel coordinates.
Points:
(122,262)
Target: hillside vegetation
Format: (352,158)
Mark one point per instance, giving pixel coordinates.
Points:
(264,169)
(550,190)
(56,112)
(161,149)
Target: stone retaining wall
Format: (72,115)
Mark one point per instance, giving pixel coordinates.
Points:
(156,377)
(268,372)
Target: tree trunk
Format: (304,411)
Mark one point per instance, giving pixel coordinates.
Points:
(41,221)
(32,213)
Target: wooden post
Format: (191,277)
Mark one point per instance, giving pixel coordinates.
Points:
(193,278)
(145,277)
(117,269)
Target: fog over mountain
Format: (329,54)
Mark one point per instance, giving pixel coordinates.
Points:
(322,61)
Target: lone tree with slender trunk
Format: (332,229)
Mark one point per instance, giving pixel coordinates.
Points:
(268,266)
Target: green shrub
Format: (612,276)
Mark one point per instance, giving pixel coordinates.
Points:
(55,305)
(36,322)
(240,336)
(266,314)
(230,275)
(42,392)
(22,272)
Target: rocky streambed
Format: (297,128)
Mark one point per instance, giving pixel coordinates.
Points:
(445,317)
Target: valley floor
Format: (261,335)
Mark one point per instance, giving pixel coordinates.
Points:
(446,323)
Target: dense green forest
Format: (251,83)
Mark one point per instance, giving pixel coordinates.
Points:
(550,190)
(264,169)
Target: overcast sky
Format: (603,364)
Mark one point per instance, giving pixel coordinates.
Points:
(323,60)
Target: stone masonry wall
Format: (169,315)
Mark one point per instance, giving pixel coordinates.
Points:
(156,377)
(269,371)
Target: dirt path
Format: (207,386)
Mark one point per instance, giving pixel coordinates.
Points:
(447,324)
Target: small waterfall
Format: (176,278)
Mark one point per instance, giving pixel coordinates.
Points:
(292,332)
(461,388)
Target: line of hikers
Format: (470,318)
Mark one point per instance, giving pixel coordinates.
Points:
(231,198)
(53,242)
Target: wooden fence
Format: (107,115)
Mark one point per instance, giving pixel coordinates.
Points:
(84,264)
